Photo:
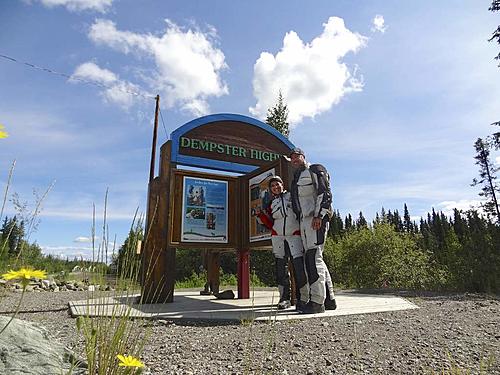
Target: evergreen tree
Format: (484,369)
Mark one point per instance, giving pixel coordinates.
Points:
(481,256)
(12,236)
(415,227)
(361,222)
(487,177)
(460,226)
(397,222)
(389,218)
(127,261)
(348,223)
(407,224)
(277,116)
(495,7)
(336,225)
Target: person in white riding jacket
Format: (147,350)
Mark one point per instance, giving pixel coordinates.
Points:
(311,202)
(287,243)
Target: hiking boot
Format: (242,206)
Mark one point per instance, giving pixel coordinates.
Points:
(330,304)
(300,306)
(284,305)
(313,308)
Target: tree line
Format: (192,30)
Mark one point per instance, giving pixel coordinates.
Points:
(460,252)
(16,251)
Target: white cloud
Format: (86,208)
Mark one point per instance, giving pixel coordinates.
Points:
(114,90)
(77,214)
(463,205)
(379,24)
(188,64)
(78,5)
(497,160)
(311,76)
(70,252)
(83,239)
(79,252)
(90,70)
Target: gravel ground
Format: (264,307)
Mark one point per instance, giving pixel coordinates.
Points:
(450,334)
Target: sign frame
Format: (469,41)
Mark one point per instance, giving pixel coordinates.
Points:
(259,197)
(283,169)
(175,216)
(196,205)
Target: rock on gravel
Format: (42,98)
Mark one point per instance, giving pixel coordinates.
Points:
(448,332)
(27,348)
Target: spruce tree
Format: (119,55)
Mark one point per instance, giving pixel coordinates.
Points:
(336,225)
(495,7)
(407,225)
(277,116)
(397,222)
(12,235)
(127,262)
(361,222)
(383,214)
(348,223)
(487,177)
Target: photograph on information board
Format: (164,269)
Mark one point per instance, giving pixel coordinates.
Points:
(260,199)
(204,210)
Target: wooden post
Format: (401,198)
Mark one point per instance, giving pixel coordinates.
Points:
(243,273)
(158,259)
(166,268)
(213,275)
(153,146)
(147,255)
(151,207)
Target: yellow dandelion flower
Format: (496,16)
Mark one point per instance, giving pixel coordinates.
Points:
(129,361)
(24,275)
(3,133)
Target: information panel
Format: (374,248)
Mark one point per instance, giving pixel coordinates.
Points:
(260,198)
(204,210)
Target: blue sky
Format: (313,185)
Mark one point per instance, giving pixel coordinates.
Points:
(389,96)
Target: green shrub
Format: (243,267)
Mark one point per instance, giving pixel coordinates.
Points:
(377,257)
(262,264)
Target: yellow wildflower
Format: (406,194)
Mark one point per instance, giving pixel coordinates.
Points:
(3,134)
(24,275)
(129,361)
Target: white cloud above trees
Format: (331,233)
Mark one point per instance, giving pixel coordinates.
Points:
(311,76)
(188,64)
(447,207)
(85,239)
(101,6)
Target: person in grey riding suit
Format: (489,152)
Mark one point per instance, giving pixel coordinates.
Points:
(311,202)
(287,243)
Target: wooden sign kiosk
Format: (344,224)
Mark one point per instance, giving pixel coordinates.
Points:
(210,211)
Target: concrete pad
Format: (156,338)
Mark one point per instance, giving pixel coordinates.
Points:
(190,305)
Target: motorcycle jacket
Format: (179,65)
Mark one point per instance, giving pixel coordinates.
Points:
(279,216)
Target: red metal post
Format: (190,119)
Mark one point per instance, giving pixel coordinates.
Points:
(243,273)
